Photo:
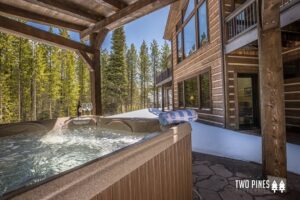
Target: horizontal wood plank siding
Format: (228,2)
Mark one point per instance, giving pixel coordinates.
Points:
(292,103)
(242,61)
(208,56)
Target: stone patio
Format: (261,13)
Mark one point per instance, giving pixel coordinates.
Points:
(214,179)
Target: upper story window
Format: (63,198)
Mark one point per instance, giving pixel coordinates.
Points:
(189,9)
(189,37)
(202,18)
(192,29)
(179,47)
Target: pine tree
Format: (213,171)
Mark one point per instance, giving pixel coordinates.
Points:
(144,74)
(165,53)
(154,65)
(84,80)
(104,60)
(69,89)
(131,58)
(41,81)
(116,73)
(54,81)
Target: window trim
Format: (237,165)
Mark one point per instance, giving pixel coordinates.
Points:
(207,25)
(198,99)
(182,23)
(198,108)
(204,109)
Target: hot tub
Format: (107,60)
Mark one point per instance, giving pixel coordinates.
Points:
(95,158)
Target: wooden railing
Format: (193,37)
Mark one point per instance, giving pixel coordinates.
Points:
(167,73)
(241,20)
(244,18)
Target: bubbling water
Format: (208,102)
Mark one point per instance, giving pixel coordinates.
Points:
(26,159)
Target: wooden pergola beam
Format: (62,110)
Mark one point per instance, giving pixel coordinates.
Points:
(27,15)
(86,59)
(127,14)
(271,89)
(20,29)
(116,3)
(68,9)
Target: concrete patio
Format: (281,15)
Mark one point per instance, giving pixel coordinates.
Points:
(214,179)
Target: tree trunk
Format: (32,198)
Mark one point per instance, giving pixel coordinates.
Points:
(33,88)
(20,88)
(33,98)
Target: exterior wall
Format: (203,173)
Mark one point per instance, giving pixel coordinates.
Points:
(208,56)
(242,61)
(292,104)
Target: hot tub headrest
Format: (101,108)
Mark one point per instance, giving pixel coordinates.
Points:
(174,117)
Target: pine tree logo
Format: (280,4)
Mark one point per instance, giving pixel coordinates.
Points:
(281,186)
(274,186)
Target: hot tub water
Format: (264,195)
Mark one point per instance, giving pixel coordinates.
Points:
(26,159)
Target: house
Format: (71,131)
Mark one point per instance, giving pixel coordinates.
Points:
(224,67)
(216,72)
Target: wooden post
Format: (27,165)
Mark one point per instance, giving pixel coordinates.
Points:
(271,89)
(162,98)
(97,100)
(95,72)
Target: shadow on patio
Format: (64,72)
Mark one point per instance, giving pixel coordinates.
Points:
(214,179)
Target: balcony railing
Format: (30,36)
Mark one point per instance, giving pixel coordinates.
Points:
(167,73)
(244,18)
(241,20)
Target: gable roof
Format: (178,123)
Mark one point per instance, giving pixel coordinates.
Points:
(173,17)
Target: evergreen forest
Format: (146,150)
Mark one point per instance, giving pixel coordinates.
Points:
(39,82)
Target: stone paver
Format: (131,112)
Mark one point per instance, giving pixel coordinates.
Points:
(231,193)
(215,183)
(202,170)
(221,170)
(214,179)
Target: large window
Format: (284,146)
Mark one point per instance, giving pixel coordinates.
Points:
(205,90)
(179,47)
(189,37)
(189,9)
(191,93)
(196,92)
(202,18)
(180,95)
(192,31)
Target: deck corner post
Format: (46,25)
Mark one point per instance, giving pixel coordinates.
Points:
(271,89)
(96,39)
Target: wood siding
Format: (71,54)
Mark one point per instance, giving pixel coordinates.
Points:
(208,56)
(292,103)
(242,61)
(167,176)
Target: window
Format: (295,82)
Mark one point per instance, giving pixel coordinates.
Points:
(189,9)
(191,92)
(179,47)
(202,18)
(205,90)
(192,29)
(180,95)
(189,37)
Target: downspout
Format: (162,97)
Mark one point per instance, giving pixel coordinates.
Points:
(224,71)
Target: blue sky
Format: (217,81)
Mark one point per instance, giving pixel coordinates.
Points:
(146,28)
